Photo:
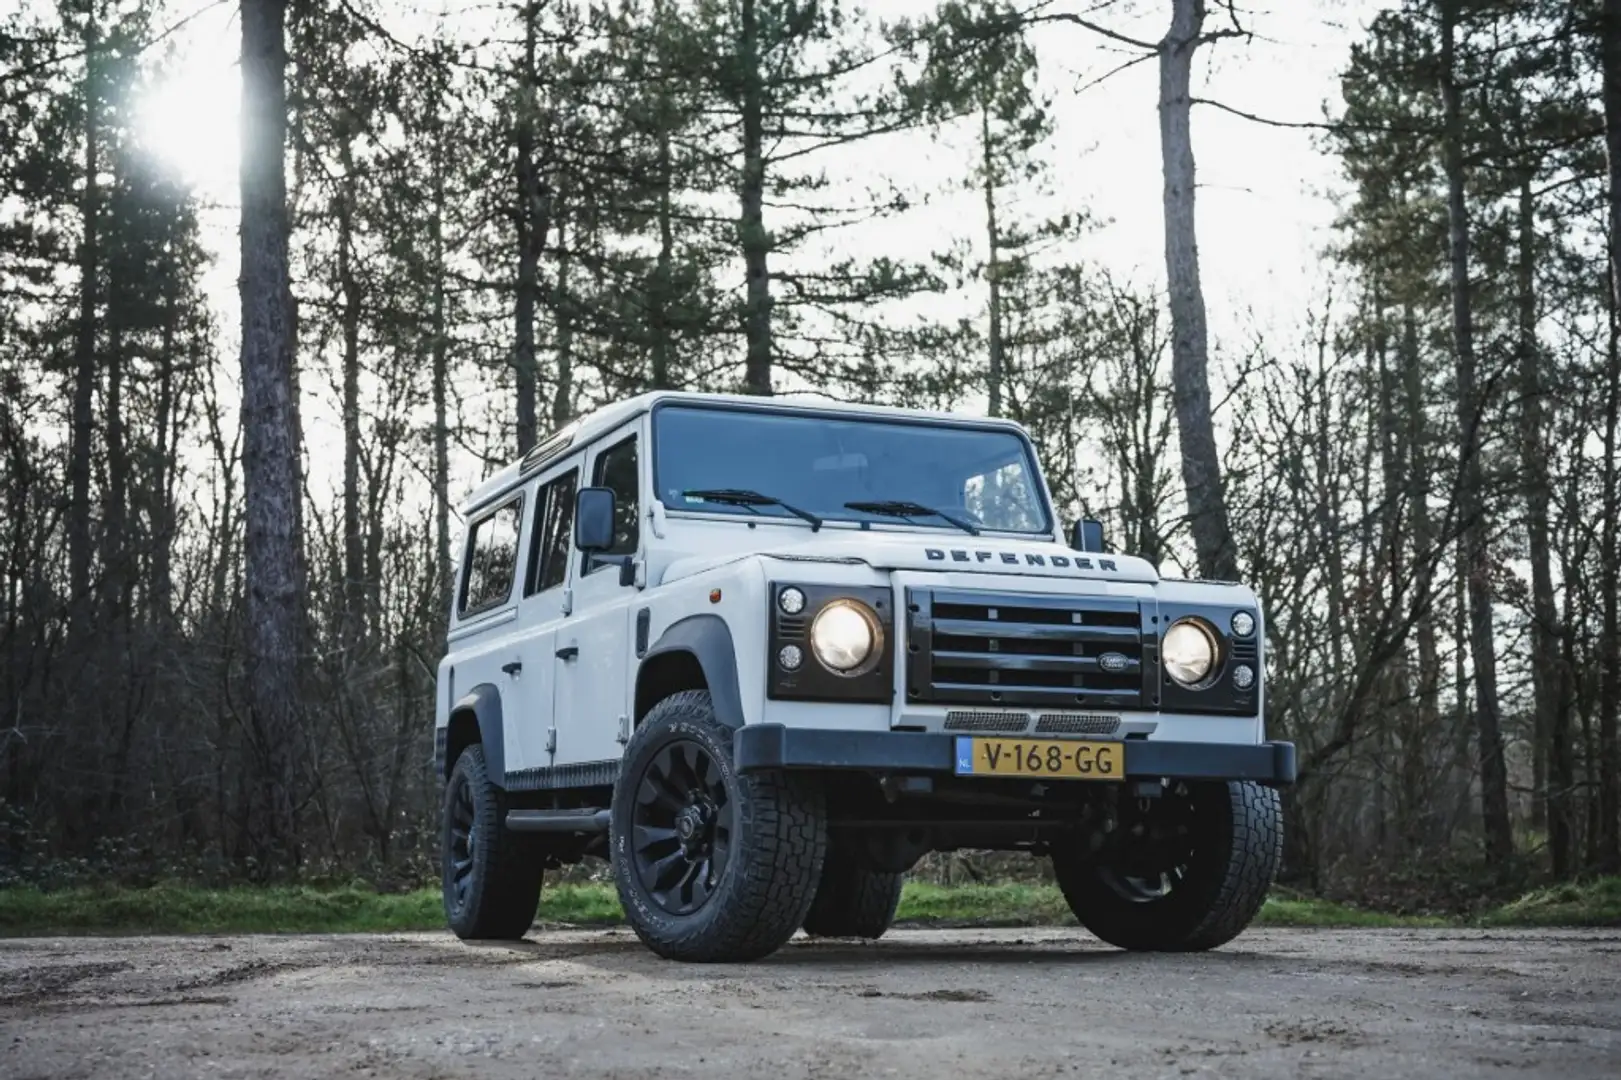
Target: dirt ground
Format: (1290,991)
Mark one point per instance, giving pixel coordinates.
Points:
(935,1004)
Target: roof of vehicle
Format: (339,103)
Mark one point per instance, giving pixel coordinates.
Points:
(601,421)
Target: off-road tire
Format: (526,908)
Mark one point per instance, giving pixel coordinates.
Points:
(503,887)
(851,900)
(1237,847)
(778,837)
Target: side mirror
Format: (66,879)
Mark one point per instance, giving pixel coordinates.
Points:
(594,520)
(1087,536)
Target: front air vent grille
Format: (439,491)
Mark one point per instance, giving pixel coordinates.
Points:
(1077,724)
(959,720)
(791,627)
(967,647)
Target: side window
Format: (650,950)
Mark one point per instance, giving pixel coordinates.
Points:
(554,528)
(616,469)
(492,558)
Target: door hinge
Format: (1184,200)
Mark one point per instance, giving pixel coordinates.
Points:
(624,729)
(551,740)
(568,601)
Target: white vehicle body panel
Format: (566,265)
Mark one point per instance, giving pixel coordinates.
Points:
(562,707)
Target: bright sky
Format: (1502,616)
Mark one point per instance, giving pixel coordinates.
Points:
(1263,211)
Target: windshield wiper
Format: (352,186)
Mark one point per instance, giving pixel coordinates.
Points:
(744,497)
(902,509)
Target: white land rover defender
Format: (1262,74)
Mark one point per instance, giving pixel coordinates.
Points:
(763,655)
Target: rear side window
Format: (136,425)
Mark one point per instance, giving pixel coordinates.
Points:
(492,558)
(554,528)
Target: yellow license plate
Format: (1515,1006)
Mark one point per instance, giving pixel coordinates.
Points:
(1058,759)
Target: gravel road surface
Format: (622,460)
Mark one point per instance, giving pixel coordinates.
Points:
(940,1004)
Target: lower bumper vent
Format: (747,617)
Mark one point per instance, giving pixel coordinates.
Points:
(969,720)
(1077,724)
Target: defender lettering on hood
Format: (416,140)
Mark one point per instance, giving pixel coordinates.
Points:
(1013,558)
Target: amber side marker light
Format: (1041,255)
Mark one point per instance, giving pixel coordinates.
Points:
(714,596)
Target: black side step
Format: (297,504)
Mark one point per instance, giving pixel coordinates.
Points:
(585,820)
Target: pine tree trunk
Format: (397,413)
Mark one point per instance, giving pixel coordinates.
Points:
(444,572)
(1547,681)
(1201,464)
(532,228)
(753,239)
(84,347)
(1609,694)
(993,265)
(115,513)
(660,314)
(160,601)
(1609,839)
(563,312)
(1471,491)
(1424,551)
(273,614)
(354,572)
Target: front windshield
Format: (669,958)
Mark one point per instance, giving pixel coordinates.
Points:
(820,463)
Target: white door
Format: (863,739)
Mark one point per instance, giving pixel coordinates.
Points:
(484,637)
(544,578)
(595,685)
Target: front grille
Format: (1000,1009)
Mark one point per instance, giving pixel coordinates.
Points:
(1077,724)
(959,720)
(966,647)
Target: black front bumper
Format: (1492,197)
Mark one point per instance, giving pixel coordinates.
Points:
(773,746)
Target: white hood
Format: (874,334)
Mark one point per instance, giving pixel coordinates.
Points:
(938,552)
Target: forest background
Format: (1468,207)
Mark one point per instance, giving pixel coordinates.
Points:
(280,280)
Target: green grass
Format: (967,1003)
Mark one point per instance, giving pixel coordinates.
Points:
(173,909)
(1592,903)
(183,909)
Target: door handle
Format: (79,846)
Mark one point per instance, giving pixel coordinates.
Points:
(512,668)
(568,652)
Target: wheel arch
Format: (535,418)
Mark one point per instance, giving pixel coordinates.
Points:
(476,718)
(694,653)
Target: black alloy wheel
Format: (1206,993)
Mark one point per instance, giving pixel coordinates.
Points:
(683,825)
(490,877)
(712,865)
(463,821)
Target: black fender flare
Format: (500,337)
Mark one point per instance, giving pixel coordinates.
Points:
(484,702)
(708,640)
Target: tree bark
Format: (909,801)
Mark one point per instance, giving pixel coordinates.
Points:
(444,573)
(563,313)
(160,600)
(663,268)
(1428,718)
(532,228)
(354,572)
(1547,681)
(273,572)
(115,514)
(1476,566)
(1609,809)
(84,348)
(753,239)
(993,265)
(1201,464)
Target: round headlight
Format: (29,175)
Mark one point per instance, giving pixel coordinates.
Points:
(844,636)
(1243,624)
(792,601)
(1189,652)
